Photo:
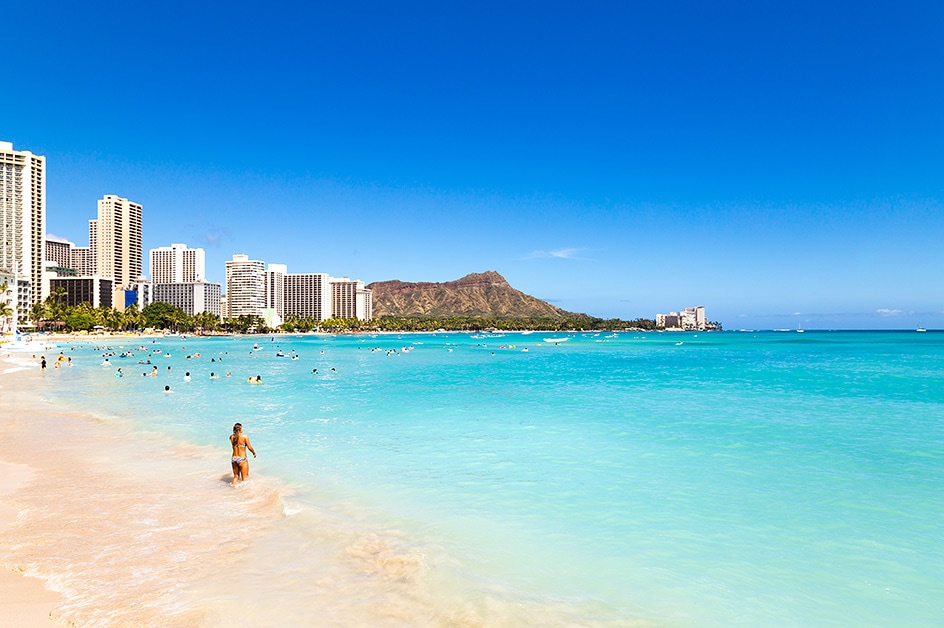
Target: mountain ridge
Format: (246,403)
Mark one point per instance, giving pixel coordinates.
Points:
(476,294)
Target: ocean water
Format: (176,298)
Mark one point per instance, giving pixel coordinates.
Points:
(709,479)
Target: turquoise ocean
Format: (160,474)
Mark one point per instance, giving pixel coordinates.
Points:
(710,479)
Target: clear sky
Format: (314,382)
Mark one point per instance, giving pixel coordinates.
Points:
(780,163)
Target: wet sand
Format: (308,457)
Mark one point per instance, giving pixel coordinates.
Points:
(24,601)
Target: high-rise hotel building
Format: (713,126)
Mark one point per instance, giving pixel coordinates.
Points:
(308,295)
(177,264)
(245,287)
(350,299)
(118,249)
(22,224)
(275,294)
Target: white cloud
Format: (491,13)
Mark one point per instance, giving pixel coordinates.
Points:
(887,312)
(568,253)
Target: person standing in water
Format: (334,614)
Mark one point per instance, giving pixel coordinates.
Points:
(240,461)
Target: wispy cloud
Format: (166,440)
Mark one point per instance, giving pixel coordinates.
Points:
(887,312)
(213,236)
(568,253)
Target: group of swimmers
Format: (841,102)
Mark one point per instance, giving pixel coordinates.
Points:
(60,360)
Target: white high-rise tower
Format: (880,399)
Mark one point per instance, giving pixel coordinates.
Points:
(245,287)
(177,264)
(22,223)
(118,249)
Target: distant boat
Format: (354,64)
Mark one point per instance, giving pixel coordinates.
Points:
(556,341)
(920,328)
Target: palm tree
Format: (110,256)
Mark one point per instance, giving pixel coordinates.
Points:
(5,310)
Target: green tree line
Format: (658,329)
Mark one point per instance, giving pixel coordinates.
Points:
(54,314)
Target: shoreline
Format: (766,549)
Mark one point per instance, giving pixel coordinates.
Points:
(75,501)
(146,530)
(27,601)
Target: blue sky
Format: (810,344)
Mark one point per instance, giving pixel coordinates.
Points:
(781,164)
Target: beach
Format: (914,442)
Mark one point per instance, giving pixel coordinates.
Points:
(26,601)
(108,524)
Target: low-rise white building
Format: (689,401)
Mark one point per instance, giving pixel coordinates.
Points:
(193,298)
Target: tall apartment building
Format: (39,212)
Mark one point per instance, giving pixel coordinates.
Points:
(93,246)
(191,297)
(275,294)
(308,296)
(177,264)
(245,287)
(350,299)
(118,249)
(22,223)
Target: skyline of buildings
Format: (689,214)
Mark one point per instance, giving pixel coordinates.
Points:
(37,264)
(109,271)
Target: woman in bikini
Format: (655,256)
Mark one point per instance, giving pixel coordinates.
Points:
(240,461)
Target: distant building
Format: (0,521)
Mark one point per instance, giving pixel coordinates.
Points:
(18,289)
(274,311)
(83,261)
(350,299)
(22,224)
(245,287)
(118,250)
(59,250)
(690,319)
(177,264)
(308,296)
(668,321)
(93,247)
(97,291)
(140,293)
(193,298)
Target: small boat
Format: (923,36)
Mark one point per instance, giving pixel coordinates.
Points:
(920,328)
(556,341)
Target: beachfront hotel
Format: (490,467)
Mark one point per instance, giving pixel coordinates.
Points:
(274,313)
(177,264)
(689,319)
(22,225)
(245,287)
(59,250)
(308,295)
(275,295)
(193,297)
(350,299)
(178,277)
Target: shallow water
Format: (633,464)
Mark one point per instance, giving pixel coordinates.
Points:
(757,479)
